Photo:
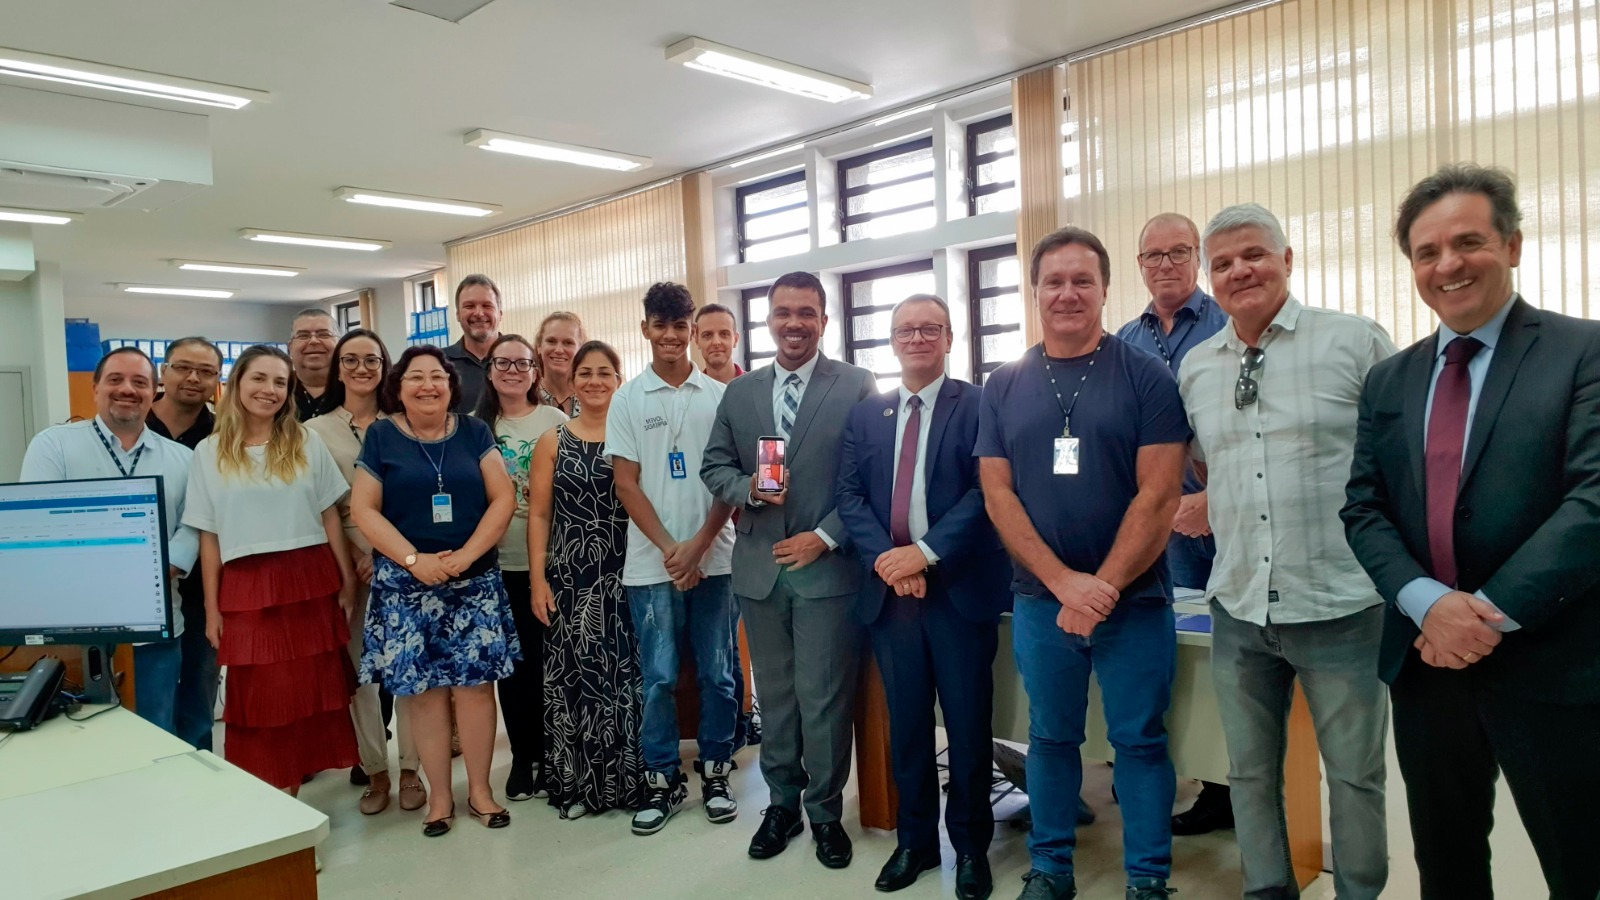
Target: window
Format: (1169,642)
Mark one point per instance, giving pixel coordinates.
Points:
(758,345)
(426,296)
(991,166)
(994,280)
(348,315)
(774,217)
(888,191)
(869,299)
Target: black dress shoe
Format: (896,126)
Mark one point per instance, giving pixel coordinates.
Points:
(903,868)
(778,825)
(1212,811)
(973,880)
(833,845)
(359,777)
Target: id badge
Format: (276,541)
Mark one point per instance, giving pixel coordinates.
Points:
(676,465)
(1066,456)
(442,511)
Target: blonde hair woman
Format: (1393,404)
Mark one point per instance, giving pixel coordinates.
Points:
(558,338)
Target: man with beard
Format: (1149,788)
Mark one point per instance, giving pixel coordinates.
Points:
(311,341)
(717,335)
(117,444)
(478,312)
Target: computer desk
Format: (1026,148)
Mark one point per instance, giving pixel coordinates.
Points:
(114,807)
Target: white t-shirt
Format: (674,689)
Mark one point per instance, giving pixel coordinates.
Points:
(648,420)
(252,513)
(516,439)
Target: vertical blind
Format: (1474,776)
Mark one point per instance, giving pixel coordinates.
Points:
(1326,112)
(597,262)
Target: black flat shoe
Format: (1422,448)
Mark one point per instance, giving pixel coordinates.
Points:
(439,827)
(973,879)
(1212,811)
(499,818)
(359,777)
(778,826)
(833,845)
(902,869)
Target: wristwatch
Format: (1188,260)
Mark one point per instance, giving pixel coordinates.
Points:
(409,561)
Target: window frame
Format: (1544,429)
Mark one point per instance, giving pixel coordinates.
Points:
(975,160)
(425,297)
(751,356)
(977,293)
(845,166)
(742,219)
(848,284)
(342,315)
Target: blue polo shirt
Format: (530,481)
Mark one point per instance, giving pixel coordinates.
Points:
(1128,400)
(1196,320)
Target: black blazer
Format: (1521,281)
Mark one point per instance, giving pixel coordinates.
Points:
(973,567)
(1527,526)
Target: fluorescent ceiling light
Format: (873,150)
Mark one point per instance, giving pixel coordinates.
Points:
(767,155)
(895,117)
(195,265)
(413,201)
(23,64)
(311,240)
(37,216)
(720,59)
(176,291)
(517,145)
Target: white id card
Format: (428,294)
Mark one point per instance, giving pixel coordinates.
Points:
(1066,456)
(442,512)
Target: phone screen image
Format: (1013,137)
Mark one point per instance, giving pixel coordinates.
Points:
(769,464)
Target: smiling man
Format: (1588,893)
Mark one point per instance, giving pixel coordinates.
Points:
(478,313)
(311,340)
(716,334)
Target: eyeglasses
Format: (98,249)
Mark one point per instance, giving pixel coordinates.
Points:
(322,335)
(184,370)
(351,361)
(905,333)
(505,364)
(436,378)
(1179,255)
(1245,390)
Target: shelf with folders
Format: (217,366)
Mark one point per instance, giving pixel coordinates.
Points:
(156,349)
(431,326)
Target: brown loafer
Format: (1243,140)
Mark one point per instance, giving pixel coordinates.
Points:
(375,799)
(413,796)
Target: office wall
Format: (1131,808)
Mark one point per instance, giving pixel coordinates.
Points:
(32,340)
(175,317)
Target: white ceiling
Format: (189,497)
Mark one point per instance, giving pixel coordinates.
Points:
(375,96)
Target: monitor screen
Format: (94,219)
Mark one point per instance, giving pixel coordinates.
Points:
(84,562)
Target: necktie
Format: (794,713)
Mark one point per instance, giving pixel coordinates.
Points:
(1447,437)
(900,502)
(791,405)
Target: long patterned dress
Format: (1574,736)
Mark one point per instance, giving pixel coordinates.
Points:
(592,700)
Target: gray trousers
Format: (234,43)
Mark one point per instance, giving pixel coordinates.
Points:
(1254,669)
(806,653)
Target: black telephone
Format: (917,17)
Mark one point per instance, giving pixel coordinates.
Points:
(27,698)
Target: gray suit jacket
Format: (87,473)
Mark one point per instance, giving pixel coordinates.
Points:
(812,455)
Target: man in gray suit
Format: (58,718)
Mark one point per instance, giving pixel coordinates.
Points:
(792,573)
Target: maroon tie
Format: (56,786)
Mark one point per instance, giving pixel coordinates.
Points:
(1447,436)
(900,504)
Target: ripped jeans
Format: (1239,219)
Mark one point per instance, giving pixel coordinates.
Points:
(662,618)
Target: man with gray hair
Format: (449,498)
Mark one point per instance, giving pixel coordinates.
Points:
(311,340)
(1272,400)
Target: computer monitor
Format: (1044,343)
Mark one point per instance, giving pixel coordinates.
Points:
(84,562)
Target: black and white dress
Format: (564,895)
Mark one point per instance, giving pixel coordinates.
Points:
(592,700)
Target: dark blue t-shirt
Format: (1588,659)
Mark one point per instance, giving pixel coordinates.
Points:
(1128,401)
(402,464)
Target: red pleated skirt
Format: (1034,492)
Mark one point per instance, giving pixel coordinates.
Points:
(287,712)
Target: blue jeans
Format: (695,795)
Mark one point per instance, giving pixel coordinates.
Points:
(1189,560)
(155,682)
(197,685)
(661,616)
(1133,654)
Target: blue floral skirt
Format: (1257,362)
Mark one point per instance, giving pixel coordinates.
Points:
(420,637)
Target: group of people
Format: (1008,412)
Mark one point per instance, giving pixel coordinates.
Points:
(1417,526)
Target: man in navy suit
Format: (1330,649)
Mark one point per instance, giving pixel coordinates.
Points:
(935,586)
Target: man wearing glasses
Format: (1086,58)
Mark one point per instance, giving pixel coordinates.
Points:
(180,413)
(1272,400)
(311,341)
(1179,318)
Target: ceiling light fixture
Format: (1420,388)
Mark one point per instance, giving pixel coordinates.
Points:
(214,293)
(195,265)
(720,59)
(767,155)
(311,240)
(906,113)
(413,201)
(37,216)
(517,145)
(81,73)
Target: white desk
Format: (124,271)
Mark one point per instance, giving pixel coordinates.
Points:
(116,808)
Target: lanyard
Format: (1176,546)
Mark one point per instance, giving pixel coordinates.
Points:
(1161,346)
(674,431)
(444,448)
(1066,408)
(133,458)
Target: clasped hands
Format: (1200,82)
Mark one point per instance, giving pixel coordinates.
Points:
(1458,630)
(437,568)
(904,569)
(1085,601)
(682,561)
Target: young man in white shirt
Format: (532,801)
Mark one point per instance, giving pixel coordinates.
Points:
(679,561)
(116,444)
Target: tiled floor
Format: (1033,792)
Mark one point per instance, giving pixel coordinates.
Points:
(540,855)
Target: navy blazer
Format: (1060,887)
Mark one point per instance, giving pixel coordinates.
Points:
(973,567)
